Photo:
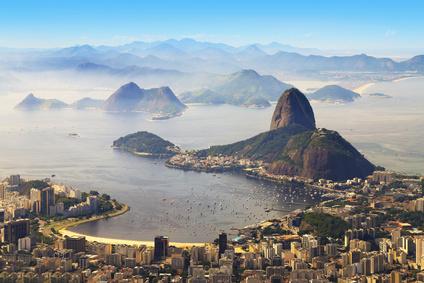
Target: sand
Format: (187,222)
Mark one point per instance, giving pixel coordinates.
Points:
(89,238)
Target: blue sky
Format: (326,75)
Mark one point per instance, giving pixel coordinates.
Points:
(358,24)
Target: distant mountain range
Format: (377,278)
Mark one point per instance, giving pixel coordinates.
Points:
(245,88)
(333,93)
(129,97)
(188,55)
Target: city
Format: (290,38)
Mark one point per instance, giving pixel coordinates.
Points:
(211,141)
(364,231)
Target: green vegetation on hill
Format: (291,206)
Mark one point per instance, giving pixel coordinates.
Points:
(145,143)
(68,202)
(297,151)
(266,146)
(415,218)
(25,187)
(324,225)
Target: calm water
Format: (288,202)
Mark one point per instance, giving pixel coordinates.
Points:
(190,206)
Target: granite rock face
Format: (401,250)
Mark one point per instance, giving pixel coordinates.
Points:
(293,108)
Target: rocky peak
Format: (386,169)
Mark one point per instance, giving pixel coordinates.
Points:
(293,108)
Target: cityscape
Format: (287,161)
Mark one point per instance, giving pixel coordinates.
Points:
(211,141)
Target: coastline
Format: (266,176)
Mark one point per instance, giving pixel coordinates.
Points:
(104,240)
(362,88)
(61,229)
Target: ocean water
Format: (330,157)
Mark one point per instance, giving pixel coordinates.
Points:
(191,206)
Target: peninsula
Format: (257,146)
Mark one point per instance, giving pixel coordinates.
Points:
(292,147)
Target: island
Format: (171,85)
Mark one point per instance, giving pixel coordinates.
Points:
(131,98)
(161,102)
(334,94)
(380,95)
(146,144)
(31,103)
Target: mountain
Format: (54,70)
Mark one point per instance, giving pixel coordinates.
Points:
(295,147)
(145,144)
(244,88)
(165,51)
(189,55)
(88,103)
(296,62)
(334,93)
(416,63)
(293,108)
(130,97)
(132,70)
(274,47)
(34,103)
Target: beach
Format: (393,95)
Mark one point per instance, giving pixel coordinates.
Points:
(65,232)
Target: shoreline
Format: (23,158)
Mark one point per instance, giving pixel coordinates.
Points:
(114,241)
(362,88)
(61,229)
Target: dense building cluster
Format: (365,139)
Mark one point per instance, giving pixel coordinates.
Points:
(368,230)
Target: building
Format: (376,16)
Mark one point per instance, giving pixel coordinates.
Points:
(47,201)
(77,244)
(2,192)
(161,248)
(35,199)
(114,259)
(222,243)
(2,215)
(24,244)
(14,180)
(12,231)
(419,249)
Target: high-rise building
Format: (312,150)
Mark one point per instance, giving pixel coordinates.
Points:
(12,231)
(35,199)
(2,191)
(419,249)
(2,215)
(76,244)
(47,200)
(222,243)
(161,248)
(395,277)
(14,180)
(24,244)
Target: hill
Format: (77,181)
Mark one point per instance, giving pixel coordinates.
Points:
(244,88)
(31,102)
(145,144)
(295,148)
(334,93)
(130,97)
(88,103)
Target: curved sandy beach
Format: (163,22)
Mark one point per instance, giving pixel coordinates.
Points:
(62,227)
(65,232)
(361,89)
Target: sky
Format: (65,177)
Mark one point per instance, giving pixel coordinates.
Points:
(344,25)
